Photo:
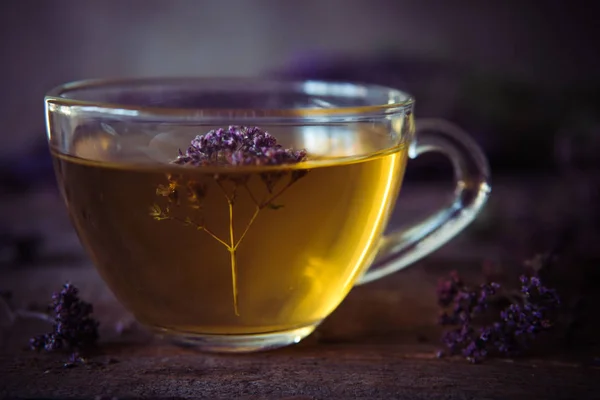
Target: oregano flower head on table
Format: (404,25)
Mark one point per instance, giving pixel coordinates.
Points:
(74,328)
(509,331)
(231,147)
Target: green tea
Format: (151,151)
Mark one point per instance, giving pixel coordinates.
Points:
(267,249)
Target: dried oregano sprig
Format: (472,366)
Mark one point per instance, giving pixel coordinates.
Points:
(238,145)
(530,313)
(234,146)
(73,327)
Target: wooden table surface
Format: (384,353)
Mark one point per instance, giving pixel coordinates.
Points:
(380,343)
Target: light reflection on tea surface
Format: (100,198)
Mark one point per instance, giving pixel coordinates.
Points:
(152,145)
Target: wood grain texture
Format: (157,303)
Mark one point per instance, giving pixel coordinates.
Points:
(310,370)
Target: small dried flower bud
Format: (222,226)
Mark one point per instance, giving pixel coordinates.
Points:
(195,193)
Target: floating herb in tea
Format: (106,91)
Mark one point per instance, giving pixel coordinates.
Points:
(235,146)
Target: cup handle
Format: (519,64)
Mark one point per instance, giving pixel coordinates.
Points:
(471,173)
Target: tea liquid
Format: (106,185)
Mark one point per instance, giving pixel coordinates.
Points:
(254,255)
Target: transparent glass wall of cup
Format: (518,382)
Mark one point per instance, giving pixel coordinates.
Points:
(244,258)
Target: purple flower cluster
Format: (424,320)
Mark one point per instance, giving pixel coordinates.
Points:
(519,323)
(74,328)
(238,145)
(464,305)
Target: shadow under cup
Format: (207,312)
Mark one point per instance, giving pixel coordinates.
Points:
(234,258)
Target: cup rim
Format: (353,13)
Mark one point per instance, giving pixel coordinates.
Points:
(397,100)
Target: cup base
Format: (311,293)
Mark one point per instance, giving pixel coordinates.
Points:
(235,343)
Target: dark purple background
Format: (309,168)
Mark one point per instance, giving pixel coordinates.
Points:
(519,76)
(513,73)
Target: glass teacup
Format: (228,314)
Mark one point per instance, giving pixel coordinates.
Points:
(236,214)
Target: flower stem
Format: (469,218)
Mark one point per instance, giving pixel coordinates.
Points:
(247,228)
(251,195)
(232,249)
(274,196)
(200,227)
(205,229)
(236,309)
